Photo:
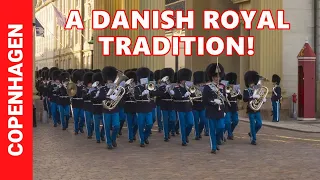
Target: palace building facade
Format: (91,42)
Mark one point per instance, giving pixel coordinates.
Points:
(275,51)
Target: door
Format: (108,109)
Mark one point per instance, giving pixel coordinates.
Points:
(300,91)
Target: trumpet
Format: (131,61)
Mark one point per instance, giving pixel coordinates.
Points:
(151,86)
(230,90)
(117,91)
(196,91)
(259,90)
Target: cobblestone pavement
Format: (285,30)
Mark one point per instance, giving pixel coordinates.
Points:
(279,155)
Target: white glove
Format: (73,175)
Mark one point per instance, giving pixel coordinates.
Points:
(115,91)
(145,92)
(171,92)
(217,101)
(256,96)
(167,87)
(187,94)
(113,97)
(224,114)
(264,100)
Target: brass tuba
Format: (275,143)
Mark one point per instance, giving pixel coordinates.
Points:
(71,88)
(230,90)
(117,91)
(259,90)
(196,91)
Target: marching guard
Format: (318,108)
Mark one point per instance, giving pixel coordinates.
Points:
(157,75)
(276,97)
(64,100)
(97,109)
(233,95)
(212,95)
(53,95)
(250,94)
(87,104)
(143,108)
(77,101)
(183,104)
(198,108)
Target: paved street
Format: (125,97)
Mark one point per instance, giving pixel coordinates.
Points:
(280,154)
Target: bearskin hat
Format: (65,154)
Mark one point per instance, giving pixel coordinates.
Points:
(55,75)
(97,77)
(77,75)
(96,70)
(64,76)
(199,77)
(70,71)
(276,79)
(231,78)
(251,77)
(74,70)
(127,70)
(45,74)
(38,73)
(109,73)
(45,69)
(184,74)
(156,75)
(175,77)
(87,78)
(51,70)
(167,72)
(212,68)
(143,73)
(151,77)
(132,75)
(134,69)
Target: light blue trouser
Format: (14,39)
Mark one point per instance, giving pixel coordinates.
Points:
(215,129)
(132,120)
(88,116)
(78,117)
(186,123)
(111,121)
(64,112)
(199,121)
(169,119)
(255,124)
(144,126)
(54,112)
(276,110)
(159,118)
(98,118)
(231,121)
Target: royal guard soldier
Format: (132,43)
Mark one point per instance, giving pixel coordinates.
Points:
(166,102)
(176,124)
(183,104)
(53,94)
(251,79)
(130,107)
(77,101)
(64,100)
(122,114)
(198,108)
(212,96)
(97,108)
(144,108)
(70,71)
(153,100)
(233,95)
(276,97)
(206,125)
(87,104)
(44,91)
(157,78)
(111,118)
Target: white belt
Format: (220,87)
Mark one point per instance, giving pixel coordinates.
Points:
(143,100)
(233,101)
(87,101)
(130,102)
(78,98)
(197,100)
(166,99)
(97,104)
(181,101)
(63,96)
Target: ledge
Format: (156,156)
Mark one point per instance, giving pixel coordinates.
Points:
(239,1)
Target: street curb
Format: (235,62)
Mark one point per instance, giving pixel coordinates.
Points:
(285,128)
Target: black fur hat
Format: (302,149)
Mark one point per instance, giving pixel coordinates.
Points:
(97,77)
(38,73)
(74,70)
(109,73)
(199,77)
(167,72)
(184,74)
(231,78)
(251,77)
(151,77)
(96,70)
(132,74)
(211,71)
(156,75)
(127,70)
(70,71)
(45,69)
(77,75)
(143,72)
(45,75)
(87,78)
(51,70)
(175,77)
(64,76)
(134,69)
(55,75)
(276,79)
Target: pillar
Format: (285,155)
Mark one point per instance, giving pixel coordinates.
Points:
(152,62)
(244,60)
